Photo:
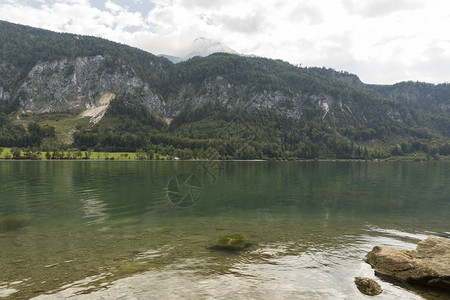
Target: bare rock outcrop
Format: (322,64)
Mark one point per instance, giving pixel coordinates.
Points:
(428,264)
(80,84)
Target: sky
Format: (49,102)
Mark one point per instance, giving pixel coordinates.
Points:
(381,41)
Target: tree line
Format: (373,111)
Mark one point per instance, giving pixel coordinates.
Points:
(215,132)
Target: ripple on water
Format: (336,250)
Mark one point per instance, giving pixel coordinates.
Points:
(5,291)
(281,278)
(269,272)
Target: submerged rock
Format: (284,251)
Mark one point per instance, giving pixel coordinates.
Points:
(428,264)
(13,222)
(232,242)
(368,286)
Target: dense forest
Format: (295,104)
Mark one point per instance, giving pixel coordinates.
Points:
(225,106)
(215,132)
(23,46)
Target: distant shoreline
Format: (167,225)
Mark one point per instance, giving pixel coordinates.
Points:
(7,153)
(445,160)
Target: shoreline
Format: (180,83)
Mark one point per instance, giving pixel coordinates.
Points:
(445,160)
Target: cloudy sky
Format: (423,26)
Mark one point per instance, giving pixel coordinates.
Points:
(382,41)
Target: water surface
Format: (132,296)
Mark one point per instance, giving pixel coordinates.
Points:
(142,230)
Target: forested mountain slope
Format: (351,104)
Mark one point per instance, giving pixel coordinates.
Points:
(220,106)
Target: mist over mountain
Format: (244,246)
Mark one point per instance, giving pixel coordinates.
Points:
(200,47)
(214,103)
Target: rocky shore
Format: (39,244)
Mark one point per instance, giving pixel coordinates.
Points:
(427,265)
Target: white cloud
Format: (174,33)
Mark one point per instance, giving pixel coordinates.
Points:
(113,7)
(382,41)
(376,8)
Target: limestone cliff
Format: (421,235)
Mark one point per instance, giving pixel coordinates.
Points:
(79,84)
(87,84)
(8,74)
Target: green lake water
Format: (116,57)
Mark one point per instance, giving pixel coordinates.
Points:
(143,230)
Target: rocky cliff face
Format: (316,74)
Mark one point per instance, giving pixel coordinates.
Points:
(298,105)
(419,95)
(4,95)
(232,96)
(79,84)
(83,83)
(8,75)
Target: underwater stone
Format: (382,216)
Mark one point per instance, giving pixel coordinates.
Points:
(13,222)
(232,242)
(368,286)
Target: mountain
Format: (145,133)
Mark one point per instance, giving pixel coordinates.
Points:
(430,101)
(108,96)
(420,95)
(200,47)
(174,59)
(203,47)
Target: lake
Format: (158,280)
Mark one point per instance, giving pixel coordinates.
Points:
(143,230)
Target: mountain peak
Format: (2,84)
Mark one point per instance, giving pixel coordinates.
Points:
(202,46)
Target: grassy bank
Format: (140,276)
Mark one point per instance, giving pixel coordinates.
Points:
(6,153)
(418,157)
(70,154)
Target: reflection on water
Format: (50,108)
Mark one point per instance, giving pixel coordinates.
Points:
(114,230)
(93,207)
